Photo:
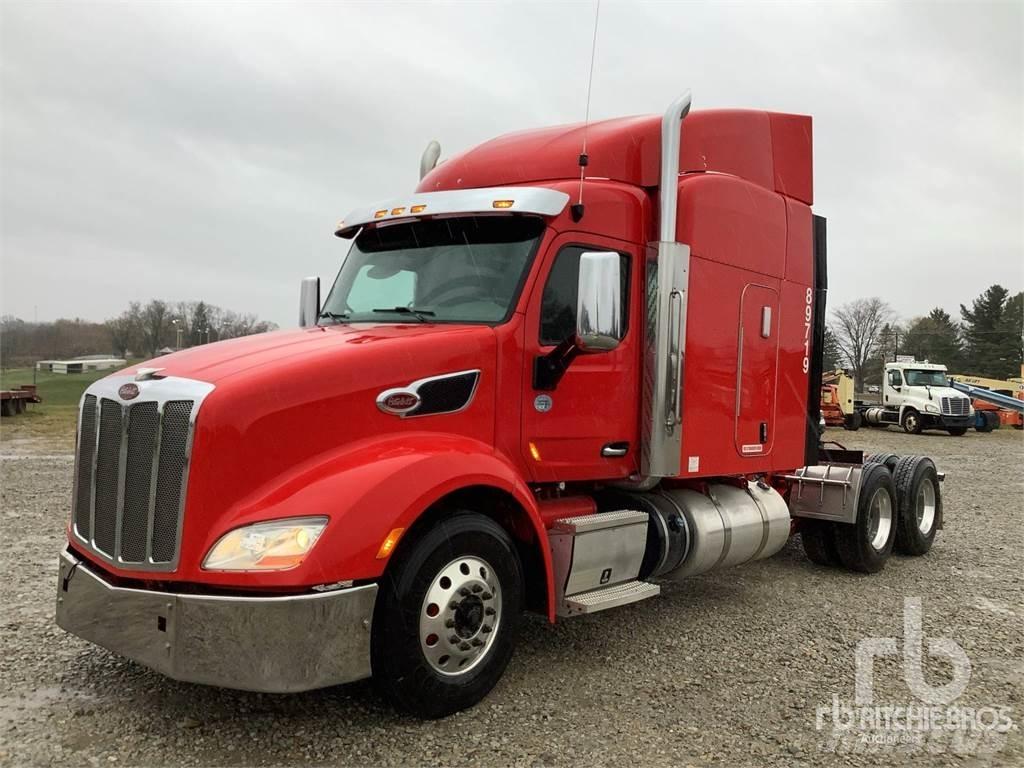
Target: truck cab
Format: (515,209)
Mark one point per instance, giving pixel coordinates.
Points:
(920,397)
(543,380)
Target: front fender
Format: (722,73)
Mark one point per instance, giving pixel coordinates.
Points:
(371,487)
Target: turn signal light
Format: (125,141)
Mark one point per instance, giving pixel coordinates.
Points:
(503,203)
(388,545)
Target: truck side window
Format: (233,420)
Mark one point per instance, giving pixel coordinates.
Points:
(558,304)
(895,379)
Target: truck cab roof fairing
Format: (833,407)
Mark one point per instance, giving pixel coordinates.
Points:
(530,200)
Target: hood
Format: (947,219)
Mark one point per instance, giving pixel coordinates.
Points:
(215,363)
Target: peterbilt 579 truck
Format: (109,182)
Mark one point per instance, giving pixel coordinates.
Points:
(546,380)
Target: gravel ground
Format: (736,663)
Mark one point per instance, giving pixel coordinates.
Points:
(725,669)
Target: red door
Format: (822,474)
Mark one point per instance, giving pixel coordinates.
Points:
(587,428)
(756,370)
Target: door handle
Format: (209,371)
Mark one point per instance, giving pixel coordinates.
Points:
(613,450)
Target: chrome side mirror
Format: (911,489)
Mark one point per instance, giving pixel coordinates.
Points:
(599,302)
(309,302)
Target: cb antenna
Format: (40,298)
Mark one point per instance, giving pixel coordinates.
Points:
(577,209)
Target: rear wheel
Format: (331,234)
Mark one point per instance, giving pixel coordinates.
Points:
(992,419)
(919,502)
(447,617)
(819,542)
(866,544)
(852,421)
(911,422)
(886,459)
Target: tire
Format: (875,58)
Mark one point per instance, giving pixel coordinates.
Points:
(957,431)
(852,422)
(911,422)
(819,542)
(886,459)
(981,423)
(992,418)
(456,577)
(919,501)
(865,545)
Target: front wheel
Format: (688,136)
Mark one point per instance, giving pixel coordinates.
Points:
(447,616)
(911,422)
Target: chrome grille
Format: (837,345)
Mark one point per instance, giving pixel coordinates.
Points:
(131,471)
(956,406)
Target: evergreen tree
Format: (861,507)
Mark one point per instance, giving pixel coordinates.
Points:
(936,338)
(992,333)
(832,355)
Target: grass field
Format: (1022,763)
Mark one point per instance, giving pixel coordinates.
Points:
(50,424)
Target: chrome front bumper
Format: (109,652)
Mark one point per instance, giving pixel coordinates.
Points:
(269,644)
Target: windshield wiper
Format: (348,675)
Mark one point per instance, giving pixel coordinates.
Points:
(333,315)
(419,314)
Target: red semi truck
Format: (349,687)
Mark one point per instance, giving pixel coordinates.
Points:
(543,381)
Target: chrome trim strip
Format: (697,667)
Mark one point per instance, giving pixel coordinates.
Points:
(78,453)
(154,471)
(161,391)
(414,387)
(535,200)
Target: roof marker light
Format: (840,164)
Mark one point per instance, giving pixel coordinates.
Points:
(381,214)
(397,211)
(503,203)
(418,208)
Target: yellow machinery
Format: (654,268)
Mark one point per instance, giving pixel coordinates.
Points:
(837,400)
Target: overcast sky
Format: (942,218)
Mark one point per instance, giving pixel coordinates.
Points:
(204,150)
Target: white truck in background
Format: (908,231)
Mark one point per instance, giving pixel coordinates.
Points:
(917,396)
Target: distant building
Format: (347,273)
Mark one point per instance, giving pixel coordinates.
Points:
(81,364)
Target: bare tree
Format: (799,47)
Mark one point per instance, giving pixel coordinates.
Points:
(155,317)
(857,327)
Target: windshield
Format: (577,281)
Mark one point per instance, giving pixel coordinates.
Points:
(925,378)
(465,270)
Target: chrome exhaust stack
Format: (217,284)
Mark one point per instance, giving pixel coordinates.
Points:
(668,264)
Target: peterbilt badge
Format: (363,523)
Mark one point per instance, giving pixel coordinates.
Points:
(128,391)
(398,401)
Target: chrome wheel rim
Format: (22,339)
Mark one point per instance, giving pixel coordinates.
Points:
(911,422)
(925,506)
(460,616)
(879,519)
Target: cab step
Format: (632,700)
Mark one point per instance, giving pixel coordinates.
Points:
(610,597)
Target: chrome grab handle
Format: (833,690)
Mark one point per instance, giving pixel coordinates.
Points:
(675,311)
(612,450)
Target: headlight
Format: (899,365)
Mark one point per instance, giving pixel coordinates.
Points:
(931,408)
(275,545)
